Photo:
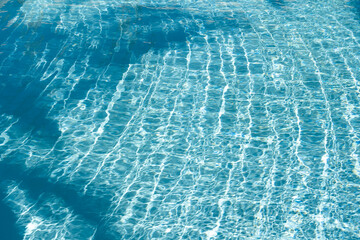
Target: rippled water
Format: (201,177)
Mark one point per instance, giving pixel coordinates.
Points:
(179,119)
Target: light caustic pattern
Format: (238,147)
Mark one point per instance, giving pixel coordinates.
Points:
(181,120)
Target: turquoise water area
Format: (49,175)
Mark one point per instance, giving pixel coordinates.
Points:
(179,119)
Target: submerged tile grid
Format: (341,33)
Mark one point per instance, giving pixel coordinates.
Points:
(182,120)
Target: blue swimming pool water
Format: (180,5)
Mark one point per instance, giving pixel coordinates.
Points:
(179,119)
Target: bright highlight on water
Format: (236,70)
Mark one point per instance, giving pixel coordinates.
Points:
(179,119)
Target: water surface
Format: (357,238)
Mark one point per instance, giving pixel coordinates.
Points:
(179,119)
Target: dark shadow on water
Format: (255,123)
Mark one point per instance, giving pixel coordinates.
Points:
(8,228)
(8,10)
(277,3)
(90,208)
(355,5)
(21,102)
